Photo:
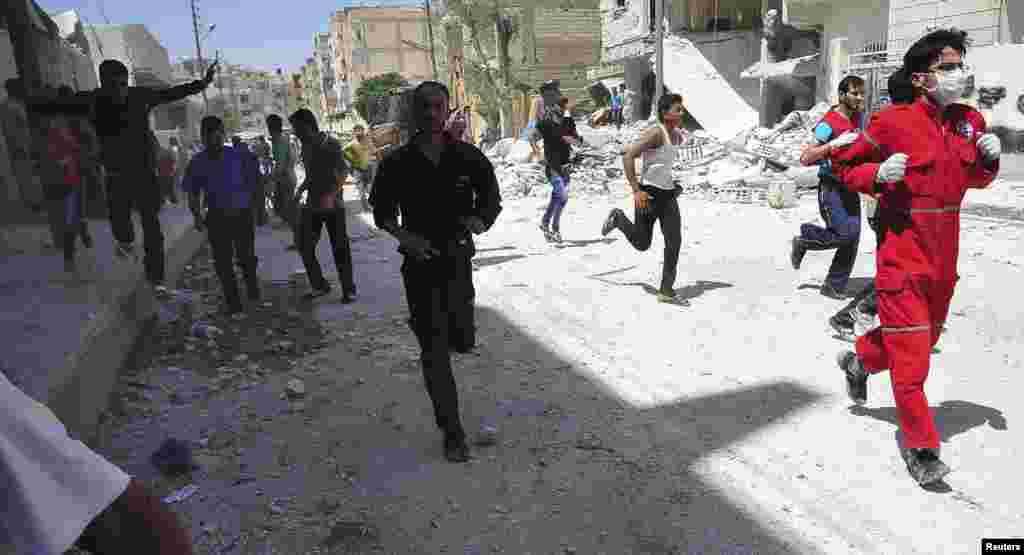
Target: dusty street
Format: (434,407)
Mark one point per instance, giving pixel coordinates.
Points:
(623,425)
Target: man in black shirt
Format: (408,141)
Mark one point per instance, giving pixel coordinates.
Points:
(325,169)
(120,115)
(558,130)
(445,190)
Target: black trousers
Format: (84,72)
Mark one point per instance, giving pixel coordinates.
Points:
(840,209)
(313,222)
(232,237)
(138,190)
(440,295)
(284,203)
(259,203)
(663,208)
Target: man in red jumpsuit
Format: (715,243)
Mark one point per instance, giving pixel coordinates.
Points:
(919,160)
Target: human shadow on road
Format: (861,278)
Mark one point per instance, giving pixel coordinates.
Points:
(505,248)
(610,273)
(585,242)
(634,466)
(485,261)
(853,287)
(952,418)
(682,294)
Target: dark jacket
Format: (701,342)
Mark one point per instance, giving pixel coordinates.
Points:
(433,200)
(323,161)
(123,129)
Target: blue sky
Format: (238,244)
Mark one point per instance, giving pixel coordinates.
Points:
(264,34)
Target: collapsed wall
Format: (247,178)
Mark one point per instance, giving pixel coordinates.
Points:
(744,169)
(709,98)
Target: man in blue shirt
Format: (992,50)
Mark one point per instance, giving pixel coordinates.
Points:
(228,175)
(616,115)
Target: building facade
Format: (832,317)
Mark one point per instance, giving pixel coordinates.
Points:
(325,67)
(242,96)
(727,33)
(372,41)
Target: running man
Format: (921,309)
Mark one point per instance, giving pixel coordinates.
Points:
(839,207)
(919,160)
(655,198)
(558,130)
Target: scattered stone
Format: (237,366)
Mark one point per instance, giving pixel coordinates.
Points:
(174,457)
(180,495)
(488,436)
(350,532)
(295,388)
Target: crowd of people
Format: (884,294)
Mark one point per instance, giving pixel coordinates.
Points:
(917,158)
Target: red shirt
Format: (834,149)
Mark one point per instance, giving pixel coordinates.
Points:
(839,123)
(64,148)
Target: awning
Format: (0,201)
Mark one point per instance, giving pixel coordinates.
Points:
(804,66)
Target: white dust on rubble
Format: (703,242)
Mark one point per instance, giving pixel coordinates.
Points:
(734,171)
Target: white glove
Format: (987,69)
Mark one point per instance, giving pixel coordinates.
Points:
(990,147)
(893,169)
(843,140)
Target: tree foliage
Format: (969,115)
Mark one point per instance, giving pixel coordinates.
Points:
(381,85)
(490,76)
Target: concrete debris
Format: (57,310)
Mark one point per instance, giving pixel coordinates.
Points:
(295,388)
(181,495)
(204,330)
(174,457)
(759,166)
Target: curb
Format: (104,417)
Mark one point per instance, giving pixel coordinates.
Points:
(81,400)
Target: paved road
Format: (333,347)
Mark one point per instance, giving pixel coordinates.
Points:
(628,426)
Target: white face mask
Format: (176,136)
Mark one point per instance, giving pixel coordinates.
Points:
(949,87)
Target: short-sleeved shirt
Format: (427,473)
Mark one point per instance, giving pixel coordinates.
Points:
(63,146)
(324,162)
(281,150)
(229,182)
(832,125)
(358,155)
(556,151)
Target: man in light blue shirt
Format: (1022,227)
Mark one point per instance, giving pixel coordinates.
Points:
(616,115)
(228,176)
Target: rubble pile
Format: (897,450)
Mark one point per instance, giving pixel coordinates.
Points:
(760,166)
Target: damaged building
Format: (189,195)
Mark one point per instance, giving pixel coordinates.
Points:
(777,56)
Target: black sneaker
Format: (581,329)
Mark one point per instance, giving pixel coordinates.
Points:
(349,298)
(843,323)
(609,222)
(547,232)
(831,292)
(856,376)
(556,237)
(456,450)
(924,465)
(797,251)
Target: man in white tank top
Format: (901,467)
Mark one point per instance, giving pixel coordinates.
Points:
(655,199)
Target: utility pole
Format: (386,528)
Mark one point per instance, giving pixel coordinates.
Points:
(430,37)
(199,53)
(659,51)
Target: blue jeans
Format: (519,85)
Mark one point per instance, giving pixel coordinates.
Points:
(840,209)
(559,197)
